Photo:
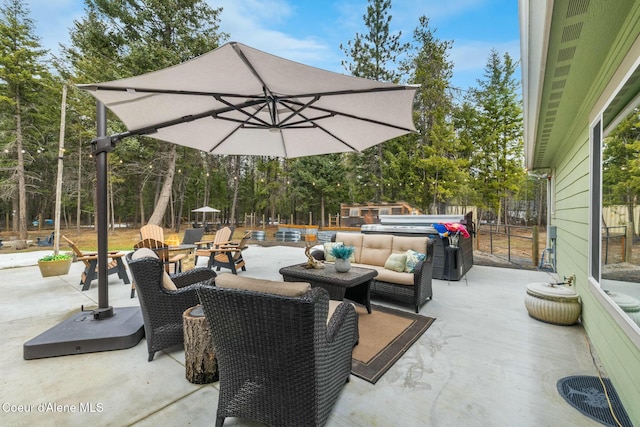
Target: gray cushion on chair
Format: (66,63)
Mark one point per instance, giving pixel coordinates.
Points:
(167,283)
(289,289)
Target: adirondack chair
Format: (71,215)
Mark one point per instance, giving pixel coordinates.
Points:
(192,236)
(90,260)
(209,249)
(162,250)
(152,237)
(230,255)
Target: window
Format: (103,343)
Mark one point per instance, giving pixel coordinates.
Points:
(615,198)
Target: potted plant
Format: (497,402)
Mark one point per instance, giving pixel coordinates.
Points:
(55,265)
(343,255)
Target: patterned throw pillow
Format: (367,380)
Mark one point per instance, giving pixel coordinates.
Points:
(396,262)
(327,250)
(413,258)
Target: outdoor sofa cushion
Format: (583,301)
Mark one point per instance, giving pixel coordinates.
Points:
(288,289)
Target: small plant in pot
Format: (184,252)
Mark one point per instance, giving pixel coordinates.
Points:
(342,254)
(55,265)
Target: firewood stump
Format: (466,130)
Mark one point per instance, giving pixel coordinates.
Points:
(199,357)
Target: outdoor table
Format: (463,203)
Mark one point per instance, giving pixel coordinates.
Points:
(353,285)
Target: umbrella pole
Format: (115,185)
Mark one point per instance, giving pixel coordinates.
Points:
(104,310)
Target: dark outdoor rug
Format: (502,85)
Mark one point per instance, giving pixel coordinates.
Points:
(385,335)
(587,395)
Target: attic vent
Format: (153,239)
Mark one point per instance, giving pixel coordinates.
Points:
(577,7)
(558,84)
(553,105)
(566,54)
(571,32)
(552,113)
(555,96)
(562,71)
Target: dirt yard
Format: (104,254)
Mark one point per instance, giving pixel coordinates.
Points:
(494,254)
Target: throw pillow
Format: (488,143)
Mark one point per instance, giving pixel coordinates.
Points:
(327,250)
(413,257)
(396,262)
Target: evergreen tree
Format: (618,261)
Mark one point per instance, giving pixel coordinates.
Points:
(621,165)
(132,37)
(496,130)
(373,56)
(439,159)
(25,83)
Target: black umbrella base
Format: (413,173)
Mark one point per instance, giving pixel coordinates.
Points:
(81,333)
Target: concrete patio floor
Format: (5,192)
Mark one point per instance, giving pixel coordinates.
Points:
(484,361)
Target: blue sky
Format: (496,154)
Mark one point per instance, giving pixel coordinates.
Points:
(311,31)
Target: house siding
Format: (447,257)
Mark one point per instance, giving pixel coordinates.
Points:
(619,355)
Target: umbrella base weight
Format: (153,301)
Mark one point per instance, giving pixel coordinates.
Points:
(82,333)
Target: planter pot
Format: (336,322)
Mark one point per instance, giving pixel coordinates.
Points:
(558,305)
(55,268)
(342,265)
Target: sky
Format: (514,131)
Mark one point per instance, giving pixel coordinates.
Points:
(311,32)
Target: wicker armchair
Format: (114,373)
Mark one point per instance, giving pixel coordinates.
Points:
(280,362)
(162,308)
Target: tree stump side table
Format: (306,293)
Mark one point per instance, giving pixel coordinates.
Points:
(199,357)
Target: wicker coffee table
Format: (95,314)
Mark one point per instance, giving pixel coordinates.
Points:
(353,285)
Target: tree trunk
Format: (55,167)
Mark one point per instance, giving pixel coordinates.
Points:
(22,187)
(181,191)
(199,357)
(165,193)
(322,211)
(63,114)
(141,201)
(79,190)
(236,185)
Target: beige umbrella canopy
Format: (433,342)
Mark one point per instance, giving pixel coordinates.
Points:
(239,100)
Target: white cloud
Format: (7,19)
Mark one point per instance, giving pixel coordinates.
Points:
(250,22)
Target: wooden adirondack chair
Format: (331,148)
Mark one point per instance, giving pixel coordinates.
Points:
(90,260)
(209,249)
(230,255)
(153,238)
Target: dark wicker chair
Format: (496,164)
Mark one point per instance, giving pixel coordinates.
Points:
(161,308)
(279,361)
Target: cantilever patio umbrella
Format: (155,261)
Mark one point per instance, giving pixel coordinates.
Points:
(239,100)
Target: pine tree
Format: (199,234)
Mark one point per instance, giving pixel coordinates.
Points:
(439,160)
(495,125)
(24,80)
(374,56)
(132,37)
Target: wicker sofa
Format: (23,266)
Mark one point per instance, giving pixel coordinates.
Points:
(374,250)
